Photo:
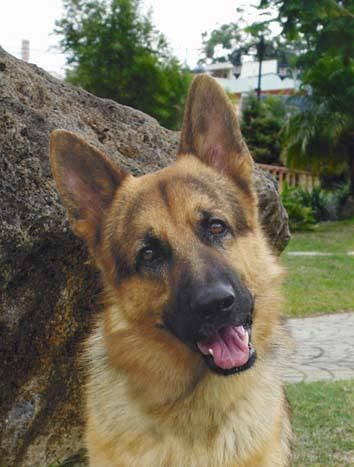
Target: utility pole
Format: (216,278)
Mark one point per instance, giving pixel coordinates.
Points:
(260,53)
(237,64)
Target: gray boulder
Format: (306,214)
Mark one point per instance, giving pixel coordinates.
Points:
(48,287)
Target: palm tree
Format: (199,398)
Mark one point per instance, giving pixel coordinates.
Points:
(318,138)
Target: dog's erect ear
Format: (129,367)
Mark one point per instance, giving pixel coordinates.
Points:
(86,180)
(211,130)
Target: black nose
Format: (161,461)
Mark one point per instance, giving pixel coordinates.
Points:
(215,298)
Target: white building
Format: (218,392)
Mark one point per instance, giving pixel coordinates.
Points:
(271,83)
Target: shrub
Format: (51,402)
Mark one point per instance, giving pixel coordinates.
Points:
(305,208)
(300,216)
(320,202)
(261,124)
(342,194)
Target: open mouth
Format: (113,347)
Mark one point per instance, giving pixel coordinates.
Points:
(229,350)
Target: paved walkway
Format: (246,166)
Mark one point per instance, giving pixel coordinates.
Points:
(318,253)
(324,348)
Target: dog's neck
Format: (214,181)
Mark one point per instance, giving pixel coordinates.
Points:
(168,401)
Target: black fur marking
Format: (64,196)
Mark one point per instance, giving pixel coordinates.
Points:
(163,188)
(239,218)
(243,184)
(98,235)
(135,207)
(123,269)
(198,185)
(163,254)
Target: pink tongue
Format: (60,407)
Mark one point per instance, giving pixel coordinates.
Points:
(229,346)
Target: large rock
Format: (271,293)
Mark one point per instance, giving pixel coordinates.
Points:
(48,287)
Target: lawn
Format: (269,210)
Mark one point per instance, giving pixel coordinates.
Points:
(323,423)
(320,284)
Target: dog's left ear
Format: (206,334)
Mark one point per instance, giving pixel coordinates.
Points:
(212,133)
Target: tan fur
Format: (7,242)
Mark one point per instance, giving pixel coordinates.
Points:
(151,401)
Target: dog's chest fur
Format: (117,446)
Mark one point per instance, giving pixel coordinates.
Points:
(219,424)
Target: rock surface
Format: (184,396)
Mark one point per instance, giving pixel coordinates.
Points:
(47,285)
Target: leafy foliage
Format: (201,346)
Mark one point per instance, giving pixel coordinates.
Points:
(115,52)
(219,43)
(305,208)
(300,217)
(322,135)
(315,138)
(323,204)
(242,38)
(306,18)
(261,124)
(222,43)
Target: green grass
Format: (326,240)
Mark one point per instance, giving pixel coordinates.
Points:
(335,237)
(77,460)
(323,423)
(320,284)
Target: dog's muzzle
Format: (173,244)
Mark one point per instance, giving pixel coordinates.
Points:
(227,310)
(215,319)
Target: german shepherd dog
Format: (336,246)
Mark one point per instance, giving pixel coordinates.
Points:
(183,362)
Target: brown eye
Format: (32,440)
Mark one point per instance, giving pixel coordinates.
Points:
(152,256)
(217,227)
(147,255)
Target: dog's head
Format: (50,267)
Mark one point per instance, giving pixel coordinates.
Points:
(183,259)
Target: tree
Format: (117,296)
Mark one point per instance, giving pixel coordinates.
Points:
(115,52)
(219,45)
(321,135)
(220,42)
(242,38)
(261,124)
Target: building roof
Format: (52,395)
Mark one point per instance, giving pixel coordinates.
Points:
(270,82)
(219,66)
(249,68)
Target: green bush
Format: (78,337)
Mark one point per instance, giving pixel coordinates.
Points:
(342,194)
(300,216)
(305,208)
(322,203)
(261,124)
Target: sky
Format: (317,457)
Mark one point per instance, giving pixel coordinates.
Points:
(182,22)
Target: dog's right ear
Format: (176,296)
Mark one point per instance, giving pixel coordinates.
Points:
(86,180)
